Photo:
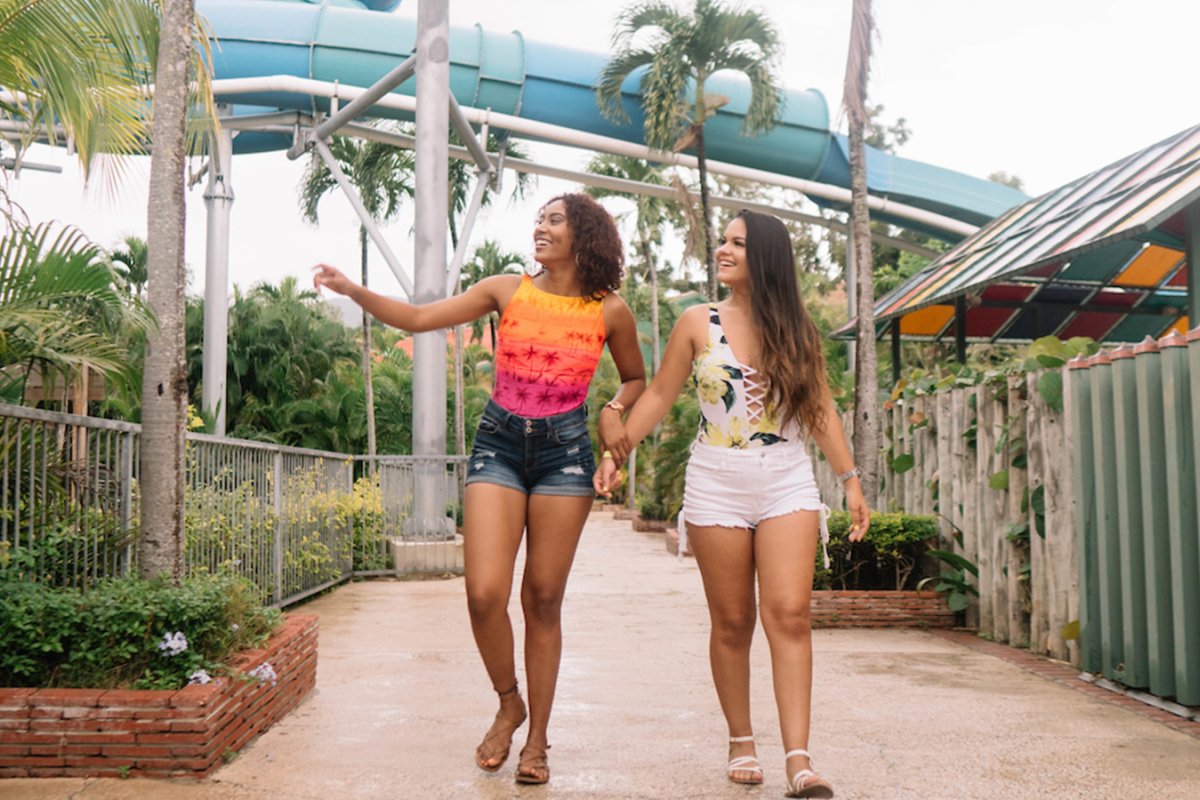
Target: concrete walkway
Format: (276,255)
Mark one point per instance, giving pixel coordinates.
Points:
(402,700)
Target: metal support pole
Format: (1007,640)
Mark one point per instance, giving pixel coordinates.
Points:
(364,216)
(360,103)
(460,253)
(478,147)
(895,351)
(1191,217)
(960,329)
(432,197)
(218,202)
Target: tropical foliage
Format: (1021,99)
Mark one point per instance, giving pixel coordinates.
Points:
(60,308)
(81,68)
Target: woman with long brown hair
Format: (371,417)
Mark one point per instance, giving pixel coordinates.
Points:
(530,472)
(751,506)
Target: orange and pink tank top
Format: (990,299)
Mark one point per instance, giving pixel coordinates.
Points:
(547,351)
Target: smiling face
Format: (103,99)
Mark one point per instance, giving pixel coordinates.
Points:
(553,240)
(731,254)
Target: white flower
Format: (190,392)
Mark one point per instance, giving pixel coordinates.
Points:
(265,672)
(235,627)
(199,677)
(173,644)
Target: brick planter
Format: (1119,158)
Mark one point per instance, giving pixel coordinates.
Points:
(643,525)
(160,734)
(880,609)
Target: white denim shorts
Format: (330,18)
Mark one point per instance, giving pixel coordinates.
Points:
(732,488)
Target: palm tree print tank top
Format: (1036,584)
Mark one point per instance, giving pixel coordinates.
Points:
(547,351)
(732,397)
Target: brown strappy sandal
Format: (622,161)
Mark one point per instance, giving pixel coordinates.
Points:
(533,767)
(498,741)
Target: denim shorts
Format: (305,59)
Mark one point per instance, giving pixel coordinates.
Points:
(534,455)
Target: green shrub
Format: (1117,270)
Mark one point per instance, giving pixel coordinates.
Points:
(118,633)
(888,558)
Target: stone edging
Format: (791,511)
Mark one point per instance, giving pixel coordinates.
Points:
(160,734)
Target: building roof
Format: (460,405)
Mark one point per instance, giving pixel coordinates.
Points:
(1102,256)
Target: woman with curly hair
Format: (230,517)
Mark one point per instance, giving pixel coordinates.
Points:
(529,475)
(750,501)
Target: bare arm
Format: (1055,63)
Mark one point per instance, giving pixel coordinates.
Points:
(832,440)
(627,355)
(663,390)
(489,294)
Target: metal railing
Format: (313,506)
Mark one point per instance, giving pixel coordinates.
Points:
(293,521)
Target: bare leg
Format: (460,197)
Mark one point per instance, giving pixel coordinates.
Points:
(726,560)
(493,521)
(785,551)
(555,524)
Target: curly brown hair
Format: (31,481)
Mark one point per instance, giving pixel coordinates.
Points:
(599,253)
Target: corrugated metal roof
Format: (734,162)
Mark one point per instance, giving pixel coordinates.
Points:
(1120,226)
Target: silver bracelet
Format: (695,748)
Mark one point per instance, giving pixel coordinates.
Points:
(845,476)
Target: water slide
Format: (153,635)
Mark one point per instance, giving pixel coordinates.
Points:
(353,43)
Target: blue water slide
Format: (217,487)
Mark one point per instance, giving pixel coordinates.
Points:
(355,44)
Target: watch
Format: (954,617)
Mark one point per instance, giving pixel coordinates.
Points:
(845,476)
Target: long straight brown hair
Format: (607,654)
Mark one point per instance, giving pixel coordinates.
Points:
(791,355)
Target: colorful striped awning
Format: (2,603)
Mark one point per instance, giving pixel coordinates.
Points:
(1102,256)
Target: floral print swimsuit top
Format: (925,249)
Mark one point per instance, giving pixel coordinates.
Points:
(732,397)
(547,351)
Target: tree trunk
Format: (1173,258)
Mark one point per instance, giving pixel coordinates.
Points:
(866,394)
(367,361)
(649,259)
(710,261)
(164,379)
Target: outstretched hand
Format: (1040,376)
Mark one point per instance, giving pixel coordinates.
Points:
(325,276)
(607,477)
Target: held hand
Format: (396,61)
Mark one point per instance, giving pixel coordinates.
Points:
(325,276)
(613,437)
(860,514)
(606,478)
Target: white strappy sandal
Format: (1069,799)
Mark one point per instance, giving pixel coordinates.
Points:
(744,764)
(805,782)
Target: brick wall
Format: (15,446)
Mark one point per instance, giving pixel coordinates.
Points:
(880,609)
(162,734)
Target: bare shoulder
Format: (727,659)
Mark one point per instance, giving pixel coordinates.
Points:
(500,288)
(693,326)
(616,310)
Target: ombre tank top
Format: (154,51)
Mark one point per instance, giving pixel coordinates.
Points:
(547,351)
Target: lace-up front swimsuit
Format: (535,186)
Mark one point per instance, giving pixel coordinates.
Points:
(746,465)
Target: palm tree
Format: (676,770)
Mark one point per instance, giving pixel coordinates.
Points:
(59,304)
(689,48)
(82,67)
(653,214)
(164,377)
(383,175)
(129,261)
(866,424)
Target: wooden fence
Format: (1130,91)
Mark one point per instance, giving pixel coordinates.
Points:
(993,462)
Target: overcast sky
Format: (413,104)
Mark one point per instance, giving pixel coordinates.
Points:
(1046,90)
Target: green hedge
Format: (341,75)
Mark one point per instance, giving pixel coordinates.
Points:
(890,557)
(126,633)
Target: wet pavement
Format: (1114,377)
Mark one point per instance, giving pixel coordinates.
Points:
(402,699)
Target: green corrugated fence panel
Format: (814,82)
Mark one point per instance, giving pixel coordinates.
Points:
(1080,389)
(1108,531)
(1187,656)
(1160,634)
(1134,669)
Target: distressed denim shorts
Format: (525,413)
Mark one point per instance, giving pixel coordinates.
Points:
(534,455)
